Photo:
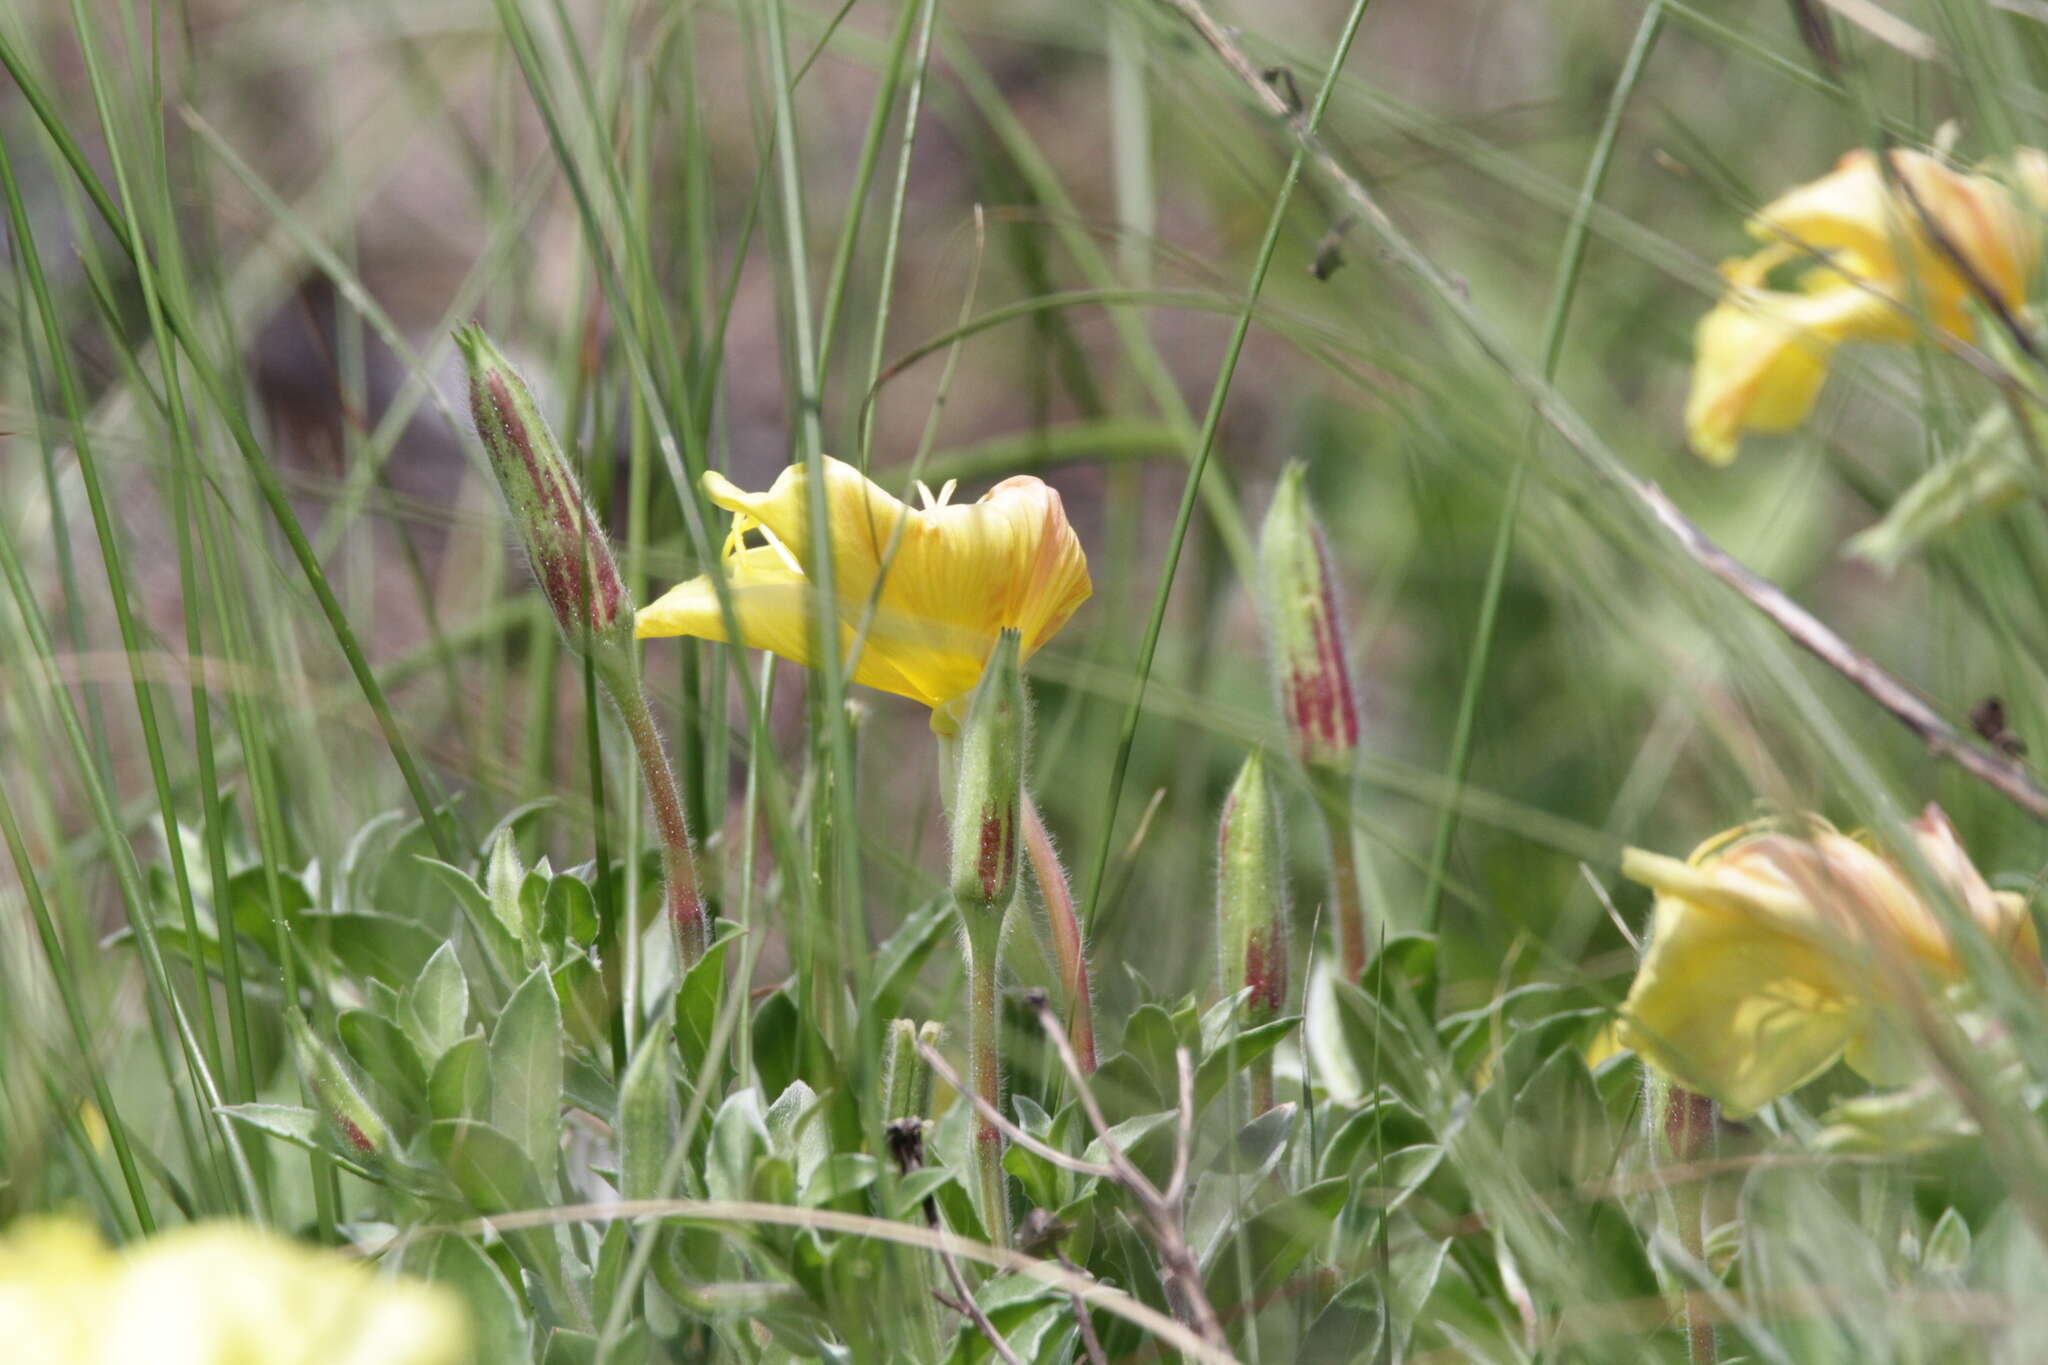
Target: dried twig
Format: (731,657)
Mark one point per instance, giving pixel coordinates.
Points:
(1161,1215)
(994,1116)
(1089,1340)
(2003,775)
(906,1144)
(1906,706)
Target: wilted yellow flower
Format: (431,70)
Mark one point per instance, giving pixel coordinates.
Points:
(1761,354)
(960,574)
(1770,950)
(213,1294)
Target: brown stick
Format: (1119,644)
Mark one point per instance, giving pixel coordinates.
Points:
(1162,1214)
(1906,706)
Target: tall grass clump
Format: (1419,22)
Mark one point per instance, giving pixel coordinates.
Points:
(1063,683)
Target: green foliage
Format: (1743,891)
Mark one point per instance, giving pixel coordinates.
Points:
(331,897)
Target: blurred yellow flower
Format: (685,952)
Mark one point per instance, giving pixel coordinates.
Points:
(1875,273)
(951,578)
(1770,950)
(212,1294)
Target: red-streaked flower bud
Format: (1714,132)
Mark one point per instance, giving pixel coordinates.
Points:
(988,802)
(1251,895)
(564,540)
(1304,629)
(338,1092)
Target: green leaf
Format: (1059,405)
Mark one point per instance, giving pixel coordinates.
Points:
(490,1171)
(903,956)
(1276,1240)
(1232,1055)
(566,1347)
(502,1331)
(1144,1139)
(388,1058)
(914,1188)
(460,1084)
(1150,1039)
(738,1137)
(368,944)
(435,1007)
(569,915)
(301,1128)
(497,943)
(796,1130)
(647,1118)
(526,1071)
(585,1003)
(697,1002)
(839,1175)
(504,879)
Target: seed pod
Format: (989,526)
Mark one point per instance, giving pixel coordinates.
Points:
(987,803)
(564,539)
(1304,629)
(338,1092)
(1251,895)
(906,1076)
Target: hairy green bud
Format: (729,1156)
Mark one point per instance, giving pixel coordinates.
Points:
(1304,628)
(1251,895)
(338,1092)
(564,540)
(906,1075)
(988,802)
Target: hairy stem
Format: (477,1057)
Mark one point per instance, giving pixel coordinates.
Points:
(681,899)
(1069,946)
(1347,902)
(985,1059)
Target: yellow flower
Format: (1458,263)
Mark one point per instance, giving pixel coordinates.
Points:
(213,1294)
(952,577)
(1761,354)
(1769,952)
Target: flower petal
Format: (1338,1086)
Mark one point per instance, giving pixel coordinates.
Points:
(921,594)
(772,604)
(1761,356)
(1734,1011)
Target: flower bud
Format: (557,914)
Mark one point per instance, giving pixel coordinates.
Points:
(988,800)
(338,1092)
(906,1075)
(564,540)
(1304,630)
(1251,895)
(1990,473)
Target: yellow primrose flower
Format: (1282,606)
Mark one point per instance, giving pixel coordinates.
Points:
(952,577)
(213,1294)
(1761,354)
(1762,966)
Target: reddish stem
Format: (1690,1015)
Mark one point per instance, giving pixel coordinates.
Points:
(681,899)
(1067,943)
(1347,903)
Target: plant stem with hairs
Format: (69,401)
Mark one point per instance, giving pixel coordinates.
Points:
(682,901)
(1070,946)
(573,564)
(988,812)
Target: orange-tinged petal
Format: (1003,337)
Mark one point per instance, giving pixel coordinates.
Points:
(922,594)
(1877,274)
